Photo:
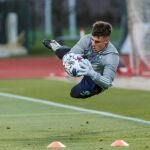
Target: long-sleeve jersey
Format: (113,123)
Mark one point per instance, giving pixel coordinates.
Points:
(104,62)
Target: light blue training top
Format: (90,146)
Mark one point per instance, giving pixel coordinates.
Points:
(105,62)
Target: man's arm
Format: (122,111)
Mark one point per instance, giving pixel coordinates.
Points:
(109,72)
(105,79)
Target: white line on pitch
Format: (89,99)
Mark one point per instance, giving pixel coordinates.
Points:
(29,99)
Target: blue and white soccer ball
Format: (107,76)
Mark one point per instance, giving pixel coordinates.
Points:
(71,63)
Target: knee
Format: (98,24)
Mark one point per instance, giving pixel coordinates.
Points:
(74,94)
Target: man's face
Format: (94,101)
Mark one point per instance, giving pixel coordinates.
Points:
(99,43)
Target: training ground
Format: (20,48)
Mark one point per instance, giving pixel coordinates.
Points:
(36,109)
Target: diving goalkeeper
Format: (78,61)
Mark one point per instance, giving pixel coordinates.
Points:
(103,58)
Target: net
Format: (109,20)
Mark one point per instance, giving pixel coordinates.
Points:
(139,28)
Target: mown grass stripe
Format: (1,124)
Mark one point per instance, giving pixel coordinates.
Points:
(42,101)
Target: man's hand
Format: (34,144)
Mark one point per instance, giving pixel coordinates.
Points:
(87,69)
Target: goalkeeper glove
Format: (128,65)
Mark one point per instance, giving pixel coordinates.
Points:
(87,69)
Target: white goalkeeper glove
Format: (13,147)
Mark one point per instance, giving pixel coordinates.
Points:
(87,69)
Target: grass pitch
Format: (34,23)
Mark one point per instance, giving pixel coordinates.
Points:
(32,126)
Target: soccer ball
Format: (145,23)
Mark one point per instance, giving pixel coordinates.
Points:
(71,63)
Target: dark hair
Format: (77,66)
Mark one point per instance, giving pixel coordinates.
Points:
(101,28)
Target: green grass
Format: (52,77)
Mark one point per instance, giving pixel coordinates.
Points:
(32,126)
(133,103)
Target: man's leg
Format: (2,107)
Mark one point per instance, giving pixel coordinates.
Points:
(59,50)
(86,88)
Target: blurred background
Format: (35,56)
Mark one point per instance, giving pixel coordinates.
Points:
(39,19)
(25,23)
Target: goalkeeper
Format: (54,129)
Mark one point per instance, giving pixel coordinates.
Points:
(103,57)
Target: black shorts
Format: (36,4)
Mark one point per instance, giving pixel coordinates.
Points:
(86,88)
